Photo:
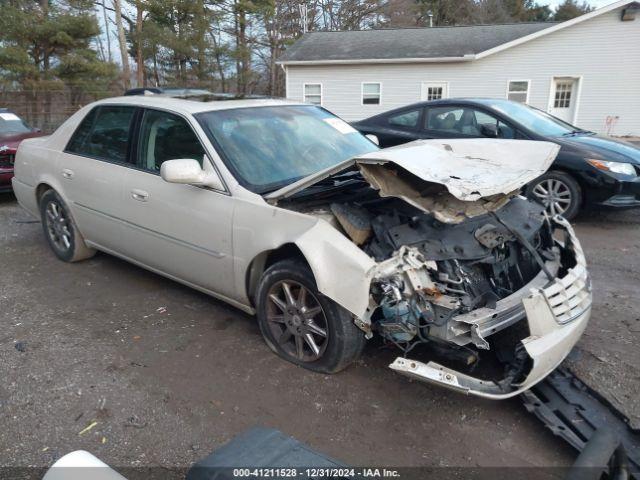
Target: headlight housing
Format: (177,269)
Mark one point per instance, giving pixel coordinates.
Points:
(615,167)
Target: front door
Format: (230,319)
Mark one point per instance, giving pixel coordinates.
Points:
(434,90)
(564,98)
(180,230)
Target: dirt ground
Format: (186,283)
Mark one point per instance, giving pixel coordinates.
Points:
(168,374)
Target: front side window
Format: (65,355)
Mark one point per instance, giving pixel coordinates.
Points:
(104,134)
(165,136)
(269,147)
(489,126)
(533,119)
(405,119)
(313,93)
(518,91)
(371,93)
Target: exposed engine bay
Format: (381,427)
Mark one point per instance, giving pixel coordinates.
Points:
(430,271)
(458,269)
(450,273)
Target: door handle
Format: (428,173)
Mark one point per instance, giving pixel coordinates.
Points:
(68,174)
(139,195)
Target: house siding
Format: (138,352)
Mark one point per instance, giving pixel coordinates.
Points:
(603,51)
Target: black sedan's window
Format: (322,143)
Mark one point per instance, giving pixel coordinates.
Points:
(444,119)
(466,122)
(405,119)
(104,134)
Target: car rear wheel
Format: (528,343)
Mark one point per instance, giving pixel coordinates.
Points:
(303,326)
(558,192)
(60,230)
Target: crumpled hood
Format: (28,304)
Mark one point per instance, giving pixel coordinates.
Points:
(472,168)
(468,168)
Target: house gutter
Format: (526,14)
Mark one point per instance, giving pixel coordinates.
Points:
(465,58)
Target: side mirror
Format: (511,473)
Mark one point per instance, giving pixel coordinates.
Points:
(489,130)
(188,171)
(373,138)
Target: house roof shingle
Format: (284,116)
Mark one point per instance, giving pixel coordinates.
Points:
(406,43)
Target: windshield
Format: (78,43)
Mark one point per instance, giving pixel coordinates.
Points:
(535,120)
(269,147)
(10,123)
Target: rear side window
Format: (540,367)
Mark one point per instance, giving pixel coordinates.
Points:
(405,119)
(104,133)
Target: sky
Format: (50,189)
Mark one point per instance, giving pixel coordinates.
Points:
(593,3)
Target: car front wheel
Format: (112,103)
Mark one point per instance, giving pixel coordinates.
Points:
(303,326)
(61,232)
(558,192)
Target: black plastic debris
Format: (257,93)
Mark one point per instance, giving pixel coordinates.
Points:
(603,454)
(261,448)
(574,412)
(21,346)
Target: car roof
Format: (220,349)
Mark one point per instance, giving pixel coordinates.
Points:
(486,102)
(193,105)
(462,101)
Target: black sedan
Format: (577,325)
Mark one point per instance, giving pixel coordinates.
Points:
(589,170)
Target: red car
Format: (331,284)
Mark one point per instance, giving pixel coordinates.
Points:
(12,131)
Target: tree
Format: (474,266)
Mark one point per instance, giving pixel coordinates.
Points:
(46,45)
(122,42)
(570,9)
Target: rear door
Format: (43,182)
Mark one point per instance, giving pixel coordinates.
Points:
(91,170)
(183,231)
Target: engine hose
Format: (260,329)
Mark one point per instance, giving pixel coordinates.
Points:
(526,244)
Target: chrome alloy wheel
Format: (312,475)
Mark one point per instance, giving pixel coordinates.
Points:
(554,194)
(58,226)
(296,320)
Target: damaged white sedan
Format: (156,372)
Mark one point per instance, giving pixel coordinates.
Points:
(285,211)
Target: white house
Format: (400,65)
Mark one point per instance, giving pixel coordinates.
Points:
(585,70)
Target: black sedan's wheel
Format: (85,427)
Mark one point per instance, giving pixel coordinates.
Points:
(303,326)
(558,192)
(60,230)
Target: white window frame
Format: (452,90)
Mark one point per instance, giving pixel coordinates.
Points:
(304,93)
(362,94)
(424,89)
(518,80)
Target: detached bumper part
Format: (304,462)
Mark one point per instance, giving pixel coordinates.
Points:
(557,315)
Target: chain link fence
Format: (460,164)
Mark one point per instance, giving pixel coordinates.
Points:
(47,109)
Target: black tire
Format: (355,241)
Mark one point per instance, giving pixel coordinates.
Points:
(343,341)
(60,230)
(568,188)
